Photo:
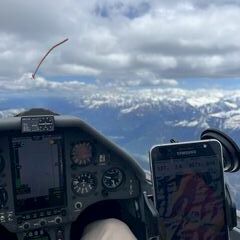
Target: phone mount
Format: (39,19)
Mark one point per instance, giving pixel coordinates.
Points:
(231,209)
(152,218)
(231,151)
(231,160)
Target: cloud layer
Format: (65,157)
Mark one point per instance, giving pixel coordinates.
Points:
(128,43)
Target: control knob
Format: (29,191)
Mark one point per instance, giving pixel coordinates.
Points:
(43,222)
(58,220)
(26,226)
(78,205)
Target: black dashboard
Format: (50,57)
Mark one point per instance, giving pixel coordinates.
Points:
(52,168)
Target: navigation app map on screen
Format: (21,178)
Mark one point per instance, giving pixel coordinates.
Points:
(190,197)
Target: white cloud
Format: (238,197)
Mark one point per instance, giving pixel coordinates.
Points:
(158,61)
(74,69)
(115,40)
(10,112)
(164,82)
(39,84)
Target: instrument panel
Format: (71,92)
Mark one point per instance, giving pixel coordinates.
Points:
(48,178)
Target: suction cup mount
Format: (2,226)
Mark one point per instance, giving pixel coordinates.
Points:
(231,152)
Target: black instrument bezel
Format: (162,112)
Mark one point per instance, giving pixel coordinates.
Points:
(16,134)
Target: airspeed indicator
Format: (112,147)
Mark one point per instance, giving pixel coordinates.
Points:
(84,184)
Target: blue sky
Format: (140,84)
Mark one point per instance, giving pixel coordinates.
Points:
(223,83)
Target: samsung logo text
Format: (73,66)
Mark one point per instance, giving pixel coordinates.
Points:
(184,153)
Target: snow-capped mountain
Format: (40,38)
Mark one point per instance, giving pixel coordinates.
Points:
(136,120)
(140,119)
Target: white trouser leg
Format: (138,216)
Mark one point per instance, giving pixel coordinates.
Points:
(108,229)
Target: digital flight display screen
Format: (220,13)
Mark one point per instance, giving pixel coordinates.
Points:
(38,174)
(189,193)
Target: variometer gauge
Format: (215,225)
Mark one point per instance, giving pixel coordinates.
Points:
(82,153)
(84,184)
(112,178)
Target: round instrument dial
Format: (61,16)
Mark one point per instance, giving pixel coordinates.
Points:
(112,178)
(82,153)
(84,184)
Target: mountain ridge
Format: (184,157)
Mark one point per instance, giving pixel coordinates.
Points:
(136,124)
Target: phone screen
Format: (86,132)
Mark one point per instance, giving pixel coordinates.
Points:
(189,190)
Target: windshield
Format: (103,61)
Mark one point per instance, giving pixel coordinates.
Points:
(140,72)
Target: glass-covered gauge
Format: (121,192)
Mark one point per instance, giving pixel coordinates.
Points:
(82,153)
(84,184)
(112,178)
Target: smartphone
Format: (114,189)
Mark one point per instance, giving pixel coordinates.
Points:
(189,191)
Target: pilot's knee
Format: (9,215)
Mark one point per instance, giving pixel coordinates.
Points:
(107,229)
(113,223)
